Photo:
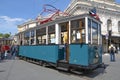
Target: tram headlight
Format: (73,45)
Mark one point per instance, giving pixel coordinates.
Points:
(96,55)
(96,58)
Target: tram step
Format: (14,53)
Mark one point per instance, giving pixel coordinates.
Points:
(63,61)
(63,64)
(62,68)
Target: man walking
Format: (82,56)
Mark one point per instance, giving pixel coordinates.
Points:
(112,52)
(14,50)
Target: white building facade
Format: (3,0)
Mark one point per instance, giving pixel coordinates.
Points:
(23,28)
(109,14)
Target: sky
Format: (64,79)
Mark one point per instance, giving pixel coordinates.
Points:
(16,12)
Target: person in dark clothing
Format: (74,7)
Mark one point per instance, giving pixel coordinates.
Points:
(14,50)
(0,50)
(112,53)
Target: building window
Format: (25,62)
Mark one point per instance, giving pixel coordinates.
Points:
(109,24)
(118,26)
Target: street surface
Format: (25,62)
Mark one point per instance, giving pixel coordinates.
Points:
(22,70)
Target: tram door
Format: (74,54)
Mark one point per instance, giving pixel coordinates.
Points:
(65,39)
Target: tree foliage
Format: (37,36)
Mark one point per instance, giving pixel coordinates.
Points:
(6,35)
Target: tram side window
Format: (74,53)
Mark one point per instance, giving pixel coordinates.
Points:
(26,38)
(78,31)
(51,34)
(32,37)
(32,33)
(41,36)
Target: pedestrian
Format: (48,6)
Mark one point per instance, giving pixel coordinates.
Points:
(112,52)
(7,48)
(2,52)
(14,50)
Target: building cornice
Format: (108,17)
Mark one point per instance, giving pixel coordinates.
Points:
(27,23)
(100,4)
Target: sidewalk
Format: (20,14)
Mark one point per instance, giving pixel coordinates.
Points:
(112,70)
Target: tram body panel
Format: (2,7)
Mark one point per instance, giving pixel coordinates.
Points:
(79,54)
(95,56)
(50,53)
(84,55)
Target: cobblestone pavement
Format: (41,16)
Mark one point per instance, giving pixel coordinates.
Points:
(21,70)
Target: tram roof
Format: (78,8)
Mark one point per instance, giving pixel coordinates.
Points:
(62,20)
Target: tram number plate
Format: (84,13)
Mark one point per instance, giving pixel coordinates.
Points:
(61,46)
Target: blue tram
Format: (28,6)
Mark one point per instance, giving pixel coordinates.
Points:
(65,43)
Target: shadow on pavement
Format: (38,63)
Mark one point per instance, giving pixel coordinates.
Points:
(97,72)
(81,73)
(3,61)
(2,71)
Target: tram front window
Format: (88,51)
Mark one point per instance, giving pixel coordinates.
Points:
(93,32)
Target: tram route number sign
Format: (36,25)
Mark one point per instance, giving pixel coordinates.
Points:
(61,46)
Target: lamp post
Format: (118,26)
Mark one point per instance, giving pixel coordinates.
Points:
(110,32)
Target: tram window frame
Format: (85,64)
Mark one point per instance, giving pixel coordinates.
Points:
(89,30)
(64,34)
(27,34)
(51,34)
(78,31)
(95,38)
(32,33)
(40,33)
(26,38)
(99,34)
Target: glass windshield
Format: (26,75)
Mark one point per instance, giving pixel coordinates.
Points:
(92,32)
